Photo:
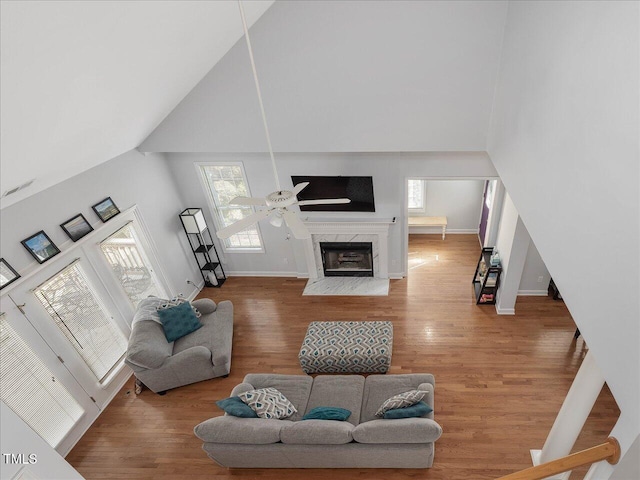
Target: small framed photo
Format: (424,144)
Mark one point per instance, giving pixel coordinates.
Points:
(7,274)
(76,227)
(40,246)
(106,209)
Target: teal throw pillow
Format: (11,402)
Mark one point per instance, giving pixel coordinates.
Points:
(416,410)
(236,407)
(178,321)
(327,413)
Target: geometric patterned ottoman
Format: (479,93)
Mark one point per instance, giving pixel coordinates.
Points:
(347,347)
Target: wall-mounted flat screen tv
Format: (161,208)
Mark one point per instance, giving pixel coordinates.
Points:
(358,189)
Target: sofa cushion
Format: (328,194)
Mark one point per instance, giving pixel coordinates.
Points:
(317,432)
(236,407)
(378,388)
(327,413)
(401,400)
(343,391)
(228,429)
(204,305)
(178,321)
(216,334)
(295,388)
(240,388)
(268,403)
(148,346)
(402,430)
(419,409)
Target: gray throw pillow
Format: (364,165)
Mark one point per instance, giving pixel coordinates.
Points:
(401,400)
(268,403)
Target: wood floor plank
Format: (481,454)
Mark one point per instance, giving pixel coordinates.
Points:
(500,380)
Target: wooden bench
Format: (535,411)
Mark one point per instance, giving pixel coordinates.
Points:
(429,222)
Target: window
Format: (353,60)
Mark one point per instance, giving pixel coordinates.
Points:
(224,182)
(417,196)
(75,308)
(29,388)
(131,265)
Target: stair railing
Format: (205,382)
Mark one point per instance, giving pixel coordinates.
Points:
(609,451)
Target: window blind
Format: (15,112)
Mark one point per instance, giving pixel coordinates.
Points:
(130,264)
(29,388)
(74,306)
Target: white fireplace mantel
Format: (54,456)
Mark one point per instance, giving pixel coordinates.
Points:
(354,228)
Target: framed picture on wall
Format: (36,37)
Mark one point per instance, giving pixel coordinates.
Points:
(7,274)
(76,227)
(106,209)
(40,246)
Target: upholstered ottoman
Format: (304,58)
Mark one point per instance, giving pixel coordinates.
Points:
(347,347)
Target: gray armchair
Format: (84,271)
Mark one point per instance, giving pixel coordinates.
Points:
(201,355)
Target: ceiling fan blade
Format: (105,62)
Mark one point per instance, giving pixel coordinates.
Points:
(296,226)
(325,201)
(299,187)
(247,201)
(243,224)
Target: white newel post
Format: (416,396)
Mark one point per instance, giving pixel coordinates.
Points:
(573,414)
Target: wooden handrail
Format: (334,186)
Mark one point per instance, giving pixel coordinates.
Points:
(609,451)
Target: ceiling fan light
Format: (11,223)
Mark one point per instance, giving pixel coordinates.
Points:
(276,220)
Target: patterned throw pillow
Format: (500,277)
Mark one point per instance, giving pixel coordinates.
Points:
(401,400)
(174,302)
(178,321)
(268,403)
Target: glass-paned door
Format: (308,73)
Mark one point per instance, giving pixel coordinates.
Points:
(130,264)
(73,305)
(37,386)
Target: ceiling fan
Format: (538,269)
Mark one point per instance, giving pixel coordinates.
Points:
(277,202)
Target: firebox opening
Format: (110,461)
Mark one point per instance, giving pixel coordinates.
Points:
(347,259)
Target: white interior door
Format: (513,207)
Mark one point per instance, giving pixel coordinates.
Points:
(38,387)
(67,305)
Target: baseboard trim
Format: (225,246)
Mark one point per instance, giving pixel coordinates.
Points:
(505,311)
(396,276)
(438,230)
(196,290)
(532,293)
(263,274)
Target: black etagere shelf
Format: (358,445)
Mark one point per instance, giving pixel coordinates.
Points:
(204,250)
(486,280)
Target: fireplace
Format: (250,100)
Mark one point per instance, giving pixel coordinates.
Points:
(347,259)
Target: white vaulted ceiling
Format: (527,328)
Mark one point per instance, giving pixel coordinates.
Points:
(85,81)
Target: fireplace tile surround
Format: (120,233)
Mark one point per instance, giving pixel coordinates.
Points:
(375,231)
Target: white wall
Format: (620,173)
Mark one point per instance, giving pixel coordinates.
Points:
(458,200)
(506,231)
(389,171)
(535,276)
(129,179)
(16,437)
(512,243)
(349,76)
(564,139)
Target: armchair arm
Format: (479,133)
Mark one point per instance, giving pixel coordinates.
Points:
(188,359)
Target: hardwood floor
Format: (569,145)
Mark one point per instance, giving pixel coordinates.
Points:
(500,380)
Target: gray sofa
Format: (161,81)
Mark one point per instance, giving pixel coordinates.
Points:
(200,355)
(363,441)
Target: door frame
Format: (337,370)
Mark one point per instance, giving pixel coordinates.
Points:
(405,208)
